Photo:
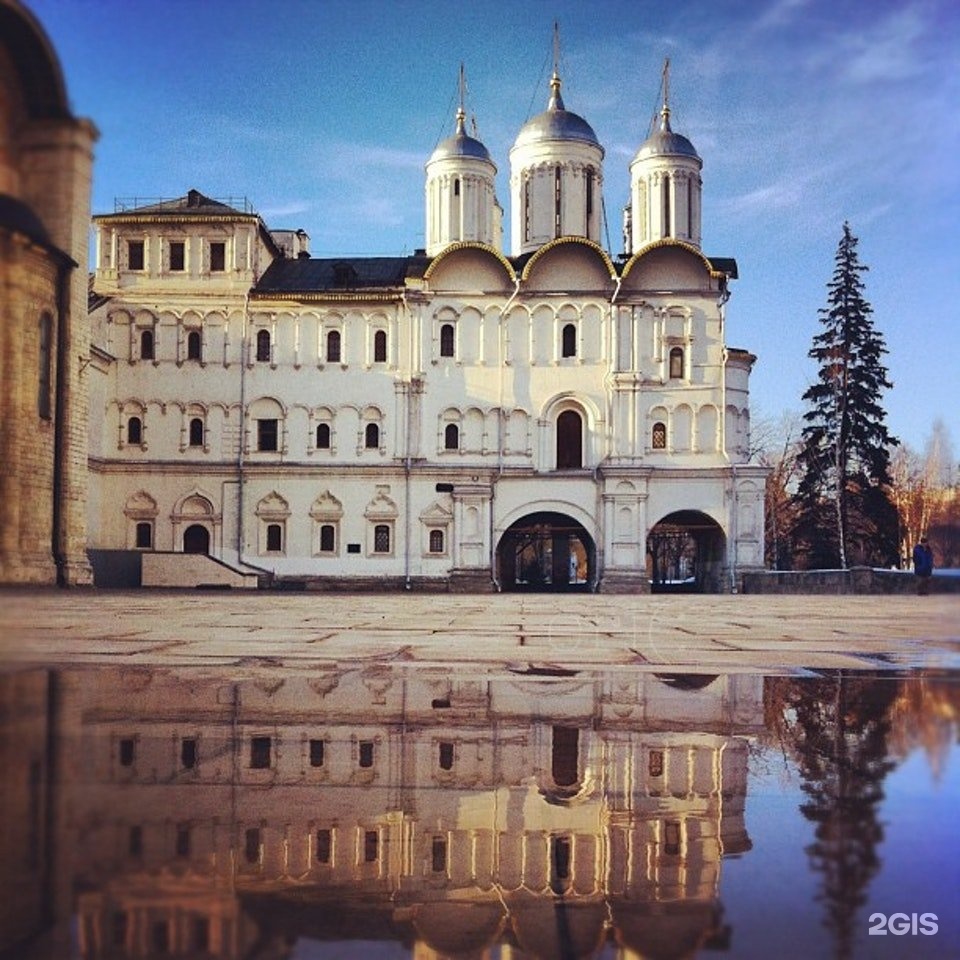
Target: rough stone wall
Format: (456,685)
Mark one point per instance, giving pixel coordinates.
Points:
(57,159)
(28,279)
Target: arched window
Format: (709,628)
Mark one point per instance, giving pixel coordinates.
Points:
(568,345)
(45,366)
(274,537)
(569,440)
(328,538)
(134,430)
(451,437)
(436,541)
(194,345)
(381,538)
(263,346)
(333,346)
(144,539)
(323,436)
(676,363)
(447,340)
(371,436)
(380,346)
(456,187)
(658,438)
(196,432)
(146,345)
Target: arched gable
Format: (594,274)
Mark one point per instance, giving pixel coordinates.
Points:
(667,265)
(569,263)
(470,266)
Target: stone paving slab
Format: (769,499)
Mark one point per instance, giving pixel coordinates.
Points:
(759,633)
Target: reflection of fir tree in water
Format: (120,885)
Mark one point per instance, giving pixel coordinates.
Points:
(839,738)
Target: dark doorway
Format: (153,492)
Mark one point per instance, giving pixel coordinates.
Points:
(196,539)
(569,440)
(685,554)
(546,552)
(566,756)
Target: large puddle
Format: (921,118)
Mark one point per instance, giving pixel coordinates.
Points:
(398,811)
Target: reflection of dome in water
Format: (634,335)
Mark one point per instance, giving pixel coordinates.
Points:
(670,934)
(547,927)
(686,681)
(460,930)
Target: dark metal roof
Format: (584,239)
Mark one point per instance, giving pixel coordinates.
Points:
(16,216)
(725,265)
(344,273)
(193,203)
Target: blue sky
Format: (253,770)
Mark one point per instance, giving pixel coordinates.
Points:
(806,113)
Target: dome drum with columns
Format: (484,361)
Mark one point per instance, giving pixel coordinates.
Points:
(551,419)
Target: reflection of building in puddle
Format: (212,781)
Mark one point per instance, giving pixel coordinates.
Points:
(232,818)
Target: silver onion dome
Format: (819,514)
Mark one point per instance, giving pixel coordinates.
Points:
(665,143)
(460,144)
(556,123)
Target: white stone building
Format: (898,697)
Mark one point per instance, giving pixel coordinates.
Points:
(457,419)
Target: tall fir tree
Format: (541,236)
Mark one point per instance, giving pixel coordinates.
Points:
(845,514)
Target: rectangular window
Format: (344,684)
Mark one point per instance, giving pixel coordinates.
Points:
(126,752)
(655,763)
(218,257)
(316,753)
(135,841)
(371,843)
(135,257)
(45,364)
(251,845)
(188,753)
(366,753)
(671,837)
(177,255)
(201,934)
(144,535)
(324,846)
(328,538)
(260,753)
(267,435)
(446,756)
(381,538)
(160,936)
(439,855)
(119,928)
(183,840)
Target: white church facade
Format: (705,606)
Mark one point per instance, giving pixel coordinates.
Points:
(463,419)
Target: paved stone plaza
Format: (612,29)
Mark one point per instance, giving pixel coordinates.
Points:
(526,633)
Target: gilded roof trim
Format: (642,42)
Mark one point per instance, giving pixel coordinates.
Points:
(471,245)
(559,241)
(670,242)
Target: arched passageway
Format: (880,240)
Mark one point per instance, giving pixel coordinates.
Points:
(685,553)
(546,552)
(196,539)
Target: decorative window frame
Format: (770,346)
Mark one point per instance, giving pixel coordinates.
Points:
(190,413)
(141,508)
(371,416)
(272,510)
(435,519)
(451,417)
(128,411)
(320,417)
(326,510)
(381,510)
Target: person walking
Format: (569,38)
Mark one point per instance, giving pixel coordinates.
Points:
(923,566)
